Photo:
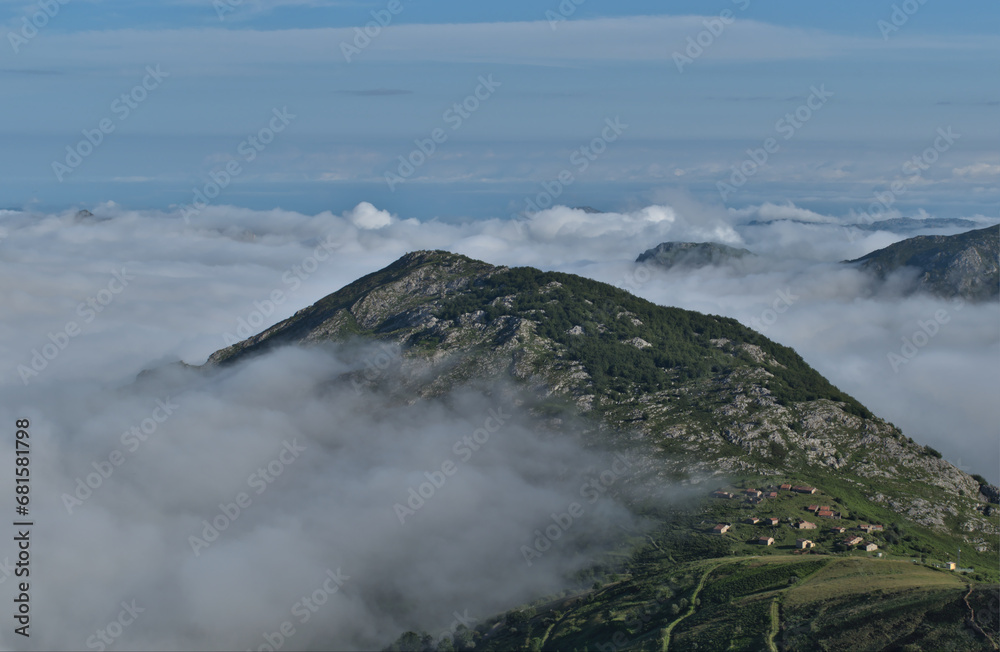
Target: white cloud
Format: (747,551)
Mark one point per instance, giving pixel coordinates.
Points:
(978,170)
(767,212)
(366,216)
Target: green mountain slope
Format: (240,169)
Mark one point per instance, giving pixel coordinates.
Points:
(782,602)
(711,402)
(966,265)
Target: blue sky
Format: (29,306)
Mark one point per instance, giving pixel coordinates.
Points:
(227,69)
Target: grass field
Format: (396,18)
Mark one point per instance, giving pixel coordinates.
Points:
(777,602)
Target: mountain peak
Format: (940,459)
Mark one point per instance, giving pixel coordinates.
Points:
(713,396)
(964,265)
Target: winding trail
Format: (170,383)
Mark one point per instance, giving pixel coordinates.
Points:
(972,620)
(694,596)
(775,624)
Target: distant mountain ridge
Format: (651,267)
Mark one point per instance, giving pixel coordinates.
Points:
(908,224)
(691,254)
(966,265)
(895,224)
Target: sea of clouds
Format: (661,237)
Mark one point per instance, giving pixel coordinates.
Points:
(92,300)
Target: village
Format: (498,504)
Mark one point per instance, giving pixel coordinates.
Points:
(796,517)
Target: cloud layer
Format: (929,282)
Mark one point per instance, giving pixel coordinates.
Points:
(91,301)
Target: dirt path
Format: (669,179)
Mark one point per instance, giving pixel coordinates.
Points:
(694,596)
(775,623)
(972,620)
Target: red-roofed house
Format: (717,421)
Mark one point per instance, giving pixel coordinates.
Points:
(785,487)
(773,520)
(804,543)
(721,528)
(765,541)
